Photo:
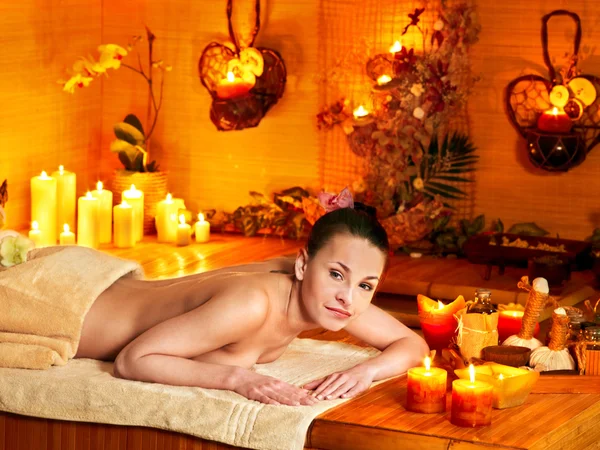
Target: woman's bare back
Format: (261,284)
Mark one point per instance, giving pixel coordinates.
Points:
(130,307)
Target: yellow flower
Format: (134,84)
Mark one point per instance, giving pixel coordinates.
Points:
(111,56)
(76,80)
(418,113)
(418,184)
(14,249)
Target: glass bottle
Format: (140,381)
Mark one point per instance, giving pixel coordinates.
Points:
(482,303)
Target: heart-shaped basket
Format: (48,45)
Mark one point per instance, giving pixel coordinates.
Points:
(528,96)
(247,109)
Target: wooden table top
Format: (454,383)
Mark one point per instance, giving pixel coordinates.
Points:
(562,413)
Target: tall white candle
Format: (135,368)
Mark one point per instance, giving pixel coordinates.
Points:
(135,198)
(67,237)
(105,208)
(125,233)
(35,234)
(43,207)
(202,229)
(87,221)
(66,196)
(166,219)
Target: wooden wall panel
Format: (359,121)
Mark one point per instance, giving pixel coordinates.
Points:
(40,125)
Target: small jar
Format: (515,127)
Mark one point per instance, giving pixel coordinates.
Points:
(575,320)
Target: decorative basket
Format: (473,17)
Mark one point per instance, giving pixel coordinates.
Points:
(152,184)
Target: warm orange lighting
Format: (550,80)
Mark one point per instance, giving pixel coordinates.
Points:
(397,47)
(360,112)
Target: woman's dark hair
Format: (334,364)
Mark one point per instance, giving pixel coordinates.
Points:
(359,221)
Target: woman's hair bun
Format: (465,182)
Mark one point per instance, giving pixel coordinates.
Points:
(370,210)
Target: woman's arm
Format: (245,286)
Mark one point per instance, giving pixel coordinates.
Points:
(163,354)
(401,349)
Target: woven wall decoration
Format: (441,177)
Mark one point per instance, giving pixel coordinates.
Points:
(559,117)
(244,81)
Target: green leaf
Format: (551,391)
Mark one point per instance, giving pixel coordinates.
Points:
(498,226)
(527,229)
(479,224)
(451,178)
(129,133)
(133,120)
(445,187)
(433,192)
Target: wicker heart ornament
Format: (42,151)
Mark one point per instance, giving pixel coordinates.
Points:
(243,81)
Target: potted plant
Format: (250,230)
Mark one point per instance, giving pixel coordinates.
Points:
(132,143)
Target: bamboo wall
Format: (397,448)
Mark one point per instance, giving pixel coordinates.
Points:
(41,126)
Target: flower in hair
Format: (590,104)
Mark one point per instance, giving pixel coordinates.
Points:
(331,202)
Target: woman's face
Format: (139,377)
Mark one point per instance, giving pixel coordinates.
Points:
(338,282)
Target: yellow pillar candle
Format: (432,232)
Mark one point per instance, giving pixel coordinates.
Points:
(67,237)
(43,207)
(105,198)
(135,198)
(202,229)
(166,219)
(66,186)
(124,233)
(35,234)
(87,221)
(184,232)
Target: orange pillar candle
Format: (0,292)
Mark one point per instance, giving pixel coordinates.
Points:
(471,402)
(426,389)
(554,121)
(67,237)
(437,320)
(509,324)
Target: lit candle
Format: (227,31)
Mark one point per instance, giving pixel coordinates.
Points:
(87,221)
(35,234)
(360,112)
(135,198)
(66,196)
(397,47)
(509,324)
(471,402)
(437,320)
(202,229)
(67,237)
(43,207)
(124,219)
(511,385)
(232,86)
(105,199)
(554,121)
(383,79)
(184,232)
(166,219)
(426,389)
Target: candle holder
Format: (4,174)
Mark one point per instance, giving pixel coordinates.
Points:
(538,108)
(244,82)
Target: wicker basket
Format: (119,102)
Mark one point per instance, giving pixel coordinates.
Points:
(152,184)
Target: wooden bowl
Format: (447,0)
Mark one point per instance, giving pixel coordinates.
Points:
(509,355)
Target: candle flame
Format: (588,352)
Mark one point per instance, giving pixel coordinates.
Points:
(441,305)
(124,204)
(230,77)
(383,79)
(427,363)
(200,217)
(99,185)
(89,195)
(501,377)
(360,112)
(61,169)
(554,111)
(396,47)
(132,188)
(472,373)
(35,225)
(44,174)
(181,219)
(169,197)
(66,228)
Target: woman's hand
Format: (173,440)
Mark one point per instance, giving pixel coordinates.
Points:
(272,391)
(346,384)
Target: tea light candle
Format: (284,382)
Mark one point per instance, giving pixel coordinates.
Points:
(135,198)
(509,324)
(125,231)
(87,221)
(105,199)
(67,237)
(202,229)
(166,219)
(66,196)
(437,320)
(184,232)
(471,402)
(426,389)
(35,234)
(233,87)
(554,121)
(43,207)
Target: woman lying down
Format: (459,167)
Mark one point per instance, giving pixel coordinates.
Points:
(208,330)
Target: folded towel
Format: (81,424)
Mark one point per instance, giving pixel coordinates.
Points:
(44,300)
(85,390)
